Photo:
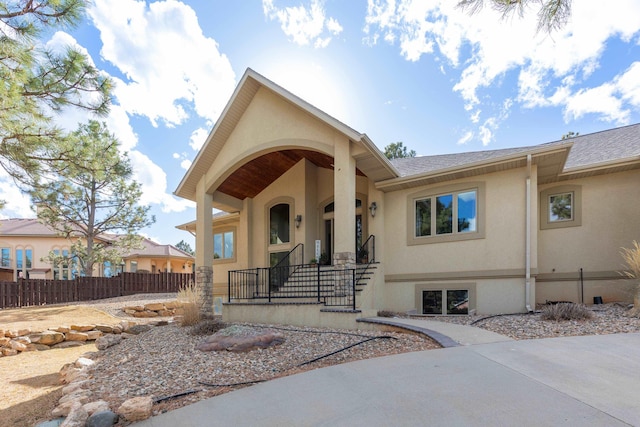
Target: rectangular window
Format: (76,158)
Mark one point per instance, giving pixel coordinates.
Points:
(133,266)
(19,259)
(561,207)
(457,301)
(460,208)
(444,214)
(223,245)
(431,302)
(423,217)
(29,258)
(5,257)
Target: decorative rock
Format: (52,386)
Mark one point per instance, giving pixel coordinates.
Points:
(126,335)
(22,332)
(77,417)
(136,408)
(68,373)
(63,329)
(96,406)
(154,306)
(63,409)
(105,328)
(138,329)
(133,308)
(51,423)
(69,344)
(73,387)
(108,341)
(165,313)
(172,304)
(102,419)
(72,335)
(125,324)
(80,395)
(17,345)
(50,337)
(82,328)
(4,341)
(33,347)
(179,311)
(221,340)
(11,334)
(94,335)
(83,362)
(9,351)
(144,314)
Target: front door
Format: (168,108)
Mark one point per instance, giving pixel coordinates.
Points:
(328,218)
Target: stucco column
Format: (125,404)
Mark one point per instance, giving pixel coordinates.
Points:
(204,248)
(344,188)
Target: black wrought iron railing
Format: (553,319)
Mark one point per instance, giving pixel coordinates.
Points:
(286,267)
(366,254)
(326,285)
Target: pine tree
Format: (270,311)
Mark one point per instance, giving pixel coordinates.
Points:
(89,198)
(36,83)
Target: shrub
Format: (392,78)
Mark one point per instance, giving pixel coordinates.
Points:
(387,313)
(190,298)
(631,259)
(566,311)
(207,327)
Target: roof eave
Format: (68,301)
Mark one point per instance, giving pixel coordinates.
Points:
(472,169)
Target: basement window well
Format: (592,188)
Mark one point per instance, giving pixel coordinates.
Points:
(445,301)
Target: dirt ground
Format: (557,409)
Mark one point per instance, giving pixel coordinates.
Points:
(30,383)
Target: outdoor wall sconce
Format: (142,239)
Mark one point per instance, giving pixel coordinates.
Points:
(298,220)
(372,207)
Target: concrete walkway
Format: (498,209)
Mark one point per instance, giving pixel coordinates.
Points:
(585,381)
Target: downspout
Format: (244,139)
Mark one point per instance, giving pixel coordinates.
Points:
(527,268)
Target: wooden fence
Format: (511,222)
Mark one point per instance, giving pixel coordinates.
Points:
(31,292)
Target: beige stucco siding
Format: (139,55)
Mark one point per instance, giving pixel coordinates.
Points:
(609,207)
(610,220)
(501,248)
(269,124)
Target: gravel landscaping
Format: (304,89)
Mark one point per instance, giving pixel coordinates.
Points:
(164,362)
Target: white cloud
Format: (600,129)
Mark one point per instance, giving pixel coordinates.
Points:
(165,57)
(198,138)
(552,69)
(154,184)
(17,204)
(185,164)
(465,138)
(304,26)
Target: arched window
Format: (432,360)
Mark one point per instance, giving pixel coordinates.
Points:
(279,224)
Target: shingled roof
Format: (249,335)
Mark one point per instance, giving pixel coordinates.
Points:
(587,151)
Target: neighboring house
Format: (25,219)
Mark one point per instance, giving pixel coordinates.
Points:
(24,242)
(489,232)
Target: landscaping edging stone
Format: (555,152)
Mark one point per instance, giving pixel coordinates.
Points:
(14,342)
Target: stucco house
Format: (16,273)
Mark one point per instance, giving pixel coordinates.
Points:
(495,231)
(25,241)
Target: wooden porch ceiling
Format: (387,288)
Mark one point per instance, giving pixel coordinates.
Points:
(253,177)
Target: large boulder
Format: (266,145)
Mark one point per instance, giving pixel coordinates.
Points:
(50,337)
(136,408)
(240,338)
(107,341)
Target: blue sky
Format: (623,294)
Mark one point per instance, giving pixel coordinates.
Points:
(420,72)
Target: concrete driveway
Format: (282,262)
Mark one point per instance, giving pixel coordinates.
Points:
(573,381)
